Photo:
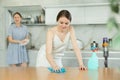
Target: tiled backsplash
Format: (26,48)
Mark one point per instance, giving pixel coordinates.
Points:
(86,33)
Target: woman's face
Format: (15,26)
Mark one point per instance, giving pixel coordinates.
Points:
(63,23)
(17,19)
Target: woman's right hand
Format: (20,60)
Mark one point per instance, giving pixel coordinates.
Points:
(56,68)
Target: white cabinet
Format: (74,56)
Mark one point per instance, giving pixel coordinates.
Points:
(69,59)
(81,13)
(97,14)
(32,54)
(76,12)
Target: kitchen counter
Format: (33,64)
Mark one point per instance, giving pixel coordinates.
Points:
(69,58)
(32,73)
(89,51)
(83,51)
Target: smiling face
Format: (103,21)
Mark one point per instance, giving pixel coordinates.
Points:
(17,19)
(63,23)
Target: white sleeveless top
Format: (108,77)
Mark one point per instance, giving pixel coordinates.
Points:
(58,50)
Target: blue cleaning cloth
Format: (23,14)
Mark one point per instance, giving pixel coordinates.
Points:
(62,70)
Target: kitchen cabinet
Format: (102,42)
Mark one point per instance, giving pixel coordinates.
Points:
(76,12)
(31,15)
(81,13)
(69,59)
(32,55)
(97,14)
(3,58)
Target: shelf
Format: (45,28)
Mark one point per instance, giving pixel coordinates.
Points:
(31,15)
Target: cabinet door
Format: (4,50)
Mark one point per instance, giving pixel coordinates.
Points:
(3,58)
(76,12)
(97,14)
(32,54)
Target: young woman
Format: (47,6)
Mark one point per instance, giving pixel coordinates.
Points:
(17,34)
(57,41)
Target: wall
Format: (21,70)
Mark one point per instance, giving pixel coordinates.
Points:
(83,32)
(2,38)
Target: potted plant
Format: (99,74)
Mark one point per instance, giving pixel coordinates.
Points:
(113,23)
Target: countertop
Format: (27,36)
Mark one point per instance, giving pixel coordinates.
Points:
(40,73)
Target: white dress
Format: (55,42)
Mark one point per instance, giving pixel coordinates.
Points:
(58,51)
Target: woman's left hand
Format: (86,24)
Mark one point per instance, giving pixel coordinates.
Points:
(82,67)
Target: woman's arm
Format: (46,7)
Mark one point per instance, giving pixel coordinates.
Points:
(11,40)
(49,56)
(76,48)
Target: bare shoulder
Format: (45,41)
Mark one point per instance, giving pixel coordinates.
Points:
(51,30)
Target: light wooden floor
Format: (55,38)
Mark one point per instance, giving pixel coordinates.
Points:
(41,73)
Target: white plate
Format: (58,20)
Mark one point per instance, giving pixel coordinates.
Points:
(27,41)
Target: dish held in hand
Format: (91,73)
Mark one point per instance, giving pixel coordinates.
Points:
(25,43)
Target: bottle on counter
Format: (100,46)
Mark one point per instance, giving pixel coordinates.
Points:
(105,46)
(93,60)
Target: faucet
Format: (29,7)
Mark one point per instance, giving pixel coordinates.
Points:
(105,51)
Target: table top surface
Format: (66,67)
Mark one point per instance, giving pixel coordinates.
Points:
(40,73)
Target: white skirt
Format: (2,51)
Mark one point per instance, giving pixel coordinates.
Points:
(42,60)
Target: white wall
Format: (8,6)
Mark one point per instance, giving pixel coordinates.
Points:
(83,32)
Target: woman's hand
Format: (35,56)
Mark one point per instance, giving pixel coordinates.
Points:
(24,41)
(82,67)
(56,68)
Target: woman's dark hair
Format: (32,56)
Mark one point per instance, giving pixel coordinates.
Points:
(18,14)
(64,13)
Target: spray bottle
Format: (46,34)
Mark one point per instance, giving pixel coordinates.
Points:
(93,60)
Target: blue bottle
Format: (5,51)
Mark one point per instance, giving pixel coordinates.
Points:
(93,62)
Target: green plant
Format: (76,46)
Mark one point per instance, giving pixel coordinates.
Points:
(112,22)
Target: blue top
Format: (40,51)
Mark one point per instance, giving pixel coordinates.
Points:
(16,53)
